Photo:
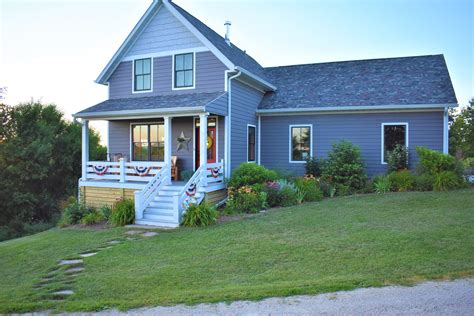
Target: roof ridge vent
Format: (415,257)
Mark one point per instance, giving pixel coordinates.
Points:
(227,31)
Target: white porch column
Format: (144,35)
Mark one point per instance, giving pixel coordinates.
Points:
(168,141)
(203,144)
(85,148)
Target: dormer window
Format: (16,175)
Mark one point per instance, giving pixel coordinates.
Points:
(184,71)
(142,75)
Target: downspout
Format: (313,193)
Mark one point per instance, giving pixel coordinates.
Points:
(229,123)
(446,131)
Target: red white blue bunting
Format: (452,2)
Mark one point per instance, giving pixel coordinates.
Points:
(100,170)
(142,171)
(191,191)
(215,171)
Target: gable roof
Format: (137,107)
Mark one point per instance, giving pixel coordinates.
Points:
(390,82)
(231,56)
(139,106)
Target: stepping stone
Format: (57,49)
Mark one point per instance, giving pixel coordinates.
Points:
(72,261)
(74,270)
(132,239)
(88,254)
(45,280)
(149,234)
(114,242)
(133,232)
(64,292)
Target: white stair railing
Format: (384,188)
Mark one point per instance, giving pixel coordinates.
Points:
(147,194)
(190,194)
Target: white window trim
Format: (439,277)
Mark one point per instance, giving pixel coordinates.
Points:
(255,145)
(173,88)
(310,142)
(133,76)
(131,138)
(382,134)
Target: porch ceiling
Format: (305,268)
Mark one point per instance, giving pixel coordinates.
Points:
(154,105)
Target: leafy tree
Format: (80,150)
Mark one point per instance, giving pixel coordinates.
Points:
(40,161)
(461,132)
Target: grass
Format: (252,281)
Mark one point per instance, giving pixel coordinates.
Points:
(337,244)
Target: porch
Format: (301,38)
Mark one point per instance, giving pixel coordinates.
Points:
(185,167)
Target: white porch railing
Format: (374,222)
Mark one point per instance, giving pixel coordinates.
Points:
(142,171)
(146,195)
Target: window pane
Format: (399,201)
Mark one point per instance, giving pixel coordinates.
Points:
(153,133)
(144,133)
(188,61)
(393,135)
(188,79)
(147,82)
(139,83)
(179,59)
(161,132)
(180,79)
(157,151)
(136,133)
(138,67)
(137,150)
(211,122)
(144,155)
(147,66)
(251,144)
(300,143)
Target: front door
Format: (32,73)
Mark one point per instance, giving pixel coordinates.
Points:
(211,142)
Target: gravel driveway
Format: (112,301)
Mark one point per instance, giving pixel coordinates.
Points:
(429,298)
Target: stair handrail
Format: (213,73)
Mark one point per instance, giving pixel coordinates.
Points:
(182,199)
(151,189)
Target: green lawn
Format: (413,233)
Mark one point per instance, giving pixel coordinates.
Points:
(343,243)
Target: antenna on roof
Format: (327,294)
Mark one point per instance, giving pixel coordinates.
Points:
(227,32)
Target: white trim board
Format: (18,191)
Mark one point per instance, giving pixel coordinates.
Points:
(144,113)
(290,140)
(168,53)
(194,137)
(382,140)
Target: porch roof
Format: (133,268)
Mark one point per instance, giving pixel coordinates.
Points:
(154,105)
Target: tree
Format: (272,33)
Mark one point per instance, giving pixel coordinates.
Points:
(40,161)
(461,132)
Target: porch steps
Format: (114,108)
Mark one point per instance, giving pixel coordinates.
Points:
(160,211)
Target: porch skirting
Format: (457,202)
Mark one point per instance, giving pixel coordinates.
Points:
(215,197)
(100,196)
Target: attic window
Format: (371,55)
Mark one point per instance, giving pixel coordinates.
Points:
(184,71)
(142,75)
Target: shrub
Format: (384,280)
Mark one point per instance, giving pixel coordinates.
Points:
(105,211)
(200,215)
(344,169)
(92,218)
(246,200)
(446,180)
(314,166)
(398,158)
(274,198)
(288,196)
(73,213)
(250,173)
(310,186)
(424,182)
(401,180)
(432,161)
(382,184)
(123,213)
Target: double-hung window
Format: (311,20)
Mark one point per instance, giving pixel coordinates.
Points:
(393,134)
(184,71)
(251,143)
(300,143)
(148,142)
(142,75)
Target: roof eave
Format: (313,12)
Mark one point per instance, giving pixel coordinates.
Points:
(355,108)
(265,84)
(144,113)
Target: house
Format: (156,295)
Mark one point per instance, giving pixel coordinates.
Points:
(184,100)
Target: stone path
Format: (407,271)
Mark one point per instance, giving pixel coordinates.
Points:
(57,283)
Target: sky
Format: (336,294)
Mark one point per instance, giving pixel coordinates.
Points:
(53,50)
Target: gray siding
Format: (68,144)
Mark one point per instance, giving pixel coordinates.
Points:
(119,138)
(185,157)
(364,130)
(244,104)
(163,33)
(218,106)
(209,77)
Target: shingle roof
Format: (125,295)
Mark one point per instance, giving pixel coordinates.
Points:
(389,81)
(232,52)
(172,102)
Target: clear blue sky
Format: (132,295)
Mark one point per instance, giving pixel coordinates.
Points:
(55,49)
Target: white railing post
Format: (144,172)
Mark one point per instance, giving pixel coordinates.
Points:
(167,151)
(122,170)
(223,169)
(85,148)
(138,205)
(203,146)
(176,208)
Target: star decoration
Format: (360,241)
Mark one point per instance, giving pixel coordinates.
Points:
(183,142)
